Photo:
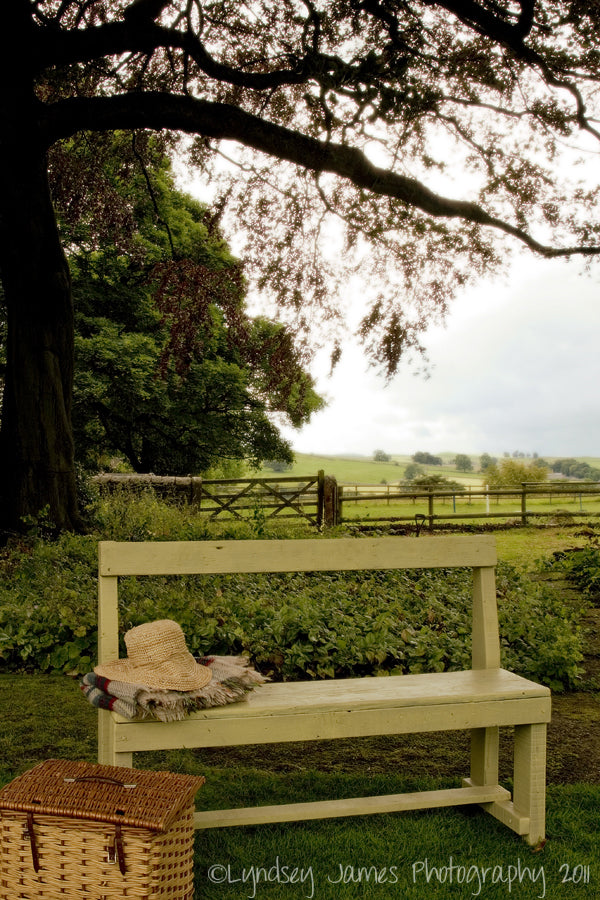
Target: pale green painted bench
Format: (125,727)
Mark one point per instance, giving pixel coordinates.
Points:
(481,699)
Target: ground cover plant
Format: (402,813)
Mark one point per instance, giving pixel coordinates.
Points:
(296,626)
(582,568)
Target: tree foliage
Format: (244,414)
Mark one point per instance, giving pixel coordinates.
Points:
(431,482)
(511,472)
(441,134)
(485,461)
(177,382)
(463,462)
(426,459)
(576,468)
(427,87)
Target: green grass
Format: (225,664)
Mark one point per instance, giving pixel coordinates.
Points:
(367,857)
(525,547)
(386,856)
(363,470)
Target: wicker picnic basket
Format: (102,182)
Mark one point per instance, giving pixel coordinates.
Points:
(77,830)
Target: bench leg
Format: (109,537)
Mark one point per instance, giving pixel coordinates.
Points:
(484,755)
(107,754)
(529,794)
(526,812)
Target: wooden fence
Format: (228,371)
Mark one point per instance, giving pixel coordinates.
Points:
(321,500)
(383,495)
(309,497)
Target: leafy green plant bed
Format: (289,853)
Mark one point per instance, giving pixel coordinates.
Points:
(292,626)
(582,568)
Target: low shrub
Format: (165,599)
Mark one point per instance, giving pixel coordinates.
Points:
(582,568)
(293,626)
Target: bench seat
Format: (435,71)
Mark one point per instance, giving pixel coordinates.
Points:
(350,707)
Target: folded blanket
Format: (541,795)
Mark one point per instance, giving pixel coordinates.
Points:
(113,695)
(232,679)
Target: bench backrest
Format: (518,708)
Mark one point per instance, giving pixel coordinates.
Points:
(305,555)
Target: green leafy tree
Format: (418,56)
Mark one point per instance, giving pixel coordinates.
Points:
(173,387)
(412,471)
(436,483)
(381,456)
(574,468)
(485,461)
(510,472)
(369,113)
(463,462)
(426,459)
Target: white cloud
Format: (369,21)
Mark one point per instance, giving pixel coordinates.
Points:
(516,368)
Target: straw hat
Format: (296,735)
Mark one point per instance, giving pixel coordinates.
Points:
(157,657)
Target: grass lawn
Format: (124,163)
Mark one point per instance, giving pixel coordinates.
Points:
(440,853)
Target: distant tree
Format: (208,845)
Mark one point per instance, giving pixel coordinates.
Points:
(463,462)
(485,461)
(573,468)
(278,465)
(426,459)
(412,471)
(436,482)
(512,473)
(381,456)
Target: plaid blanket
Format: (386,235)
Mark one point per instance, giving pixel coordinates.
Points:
(232,679)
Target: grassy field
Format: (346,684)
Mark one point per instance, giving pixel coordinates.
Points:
(362,469)
(360,476)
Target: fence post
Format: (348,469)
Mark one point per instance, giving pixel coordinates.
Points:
(523,504)
(339,515)
(430,503)
(320,498)
(196,490)
(330,501)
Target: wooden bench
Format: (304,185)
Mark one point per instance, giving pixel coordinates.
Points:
(481,699)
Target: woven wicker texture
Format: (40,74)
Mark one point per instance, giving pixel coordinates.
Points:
(74,861)
(154,802)
(157,657)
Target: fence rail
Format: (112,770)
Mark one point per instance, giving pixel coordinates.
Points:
(524,496)
(322,501)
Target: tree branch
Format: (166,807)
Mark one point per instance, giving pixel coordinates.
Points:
(157,110)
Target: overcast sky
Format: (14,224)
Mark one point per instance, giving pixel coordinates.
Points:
(516,368)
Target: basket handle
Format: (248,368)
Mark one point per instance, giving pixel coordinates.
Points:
(105,779)
(31,835)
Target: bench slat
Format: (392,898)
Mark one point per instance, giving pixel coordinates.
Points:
(356,806)
(311,554)
(311,726)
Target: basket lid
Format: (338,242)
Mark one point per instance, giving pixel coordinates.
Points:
(115,794)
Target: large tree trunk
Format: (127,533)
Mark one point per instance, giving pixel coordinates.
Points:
(36,444)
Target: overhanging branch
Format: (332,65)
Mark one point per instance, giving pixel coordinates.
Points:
(157,110)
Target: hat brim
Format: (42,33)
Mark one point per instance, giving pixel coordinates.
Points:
(180,673)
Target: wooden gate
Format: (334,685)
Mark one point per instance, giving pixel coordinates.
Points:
(287,496)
